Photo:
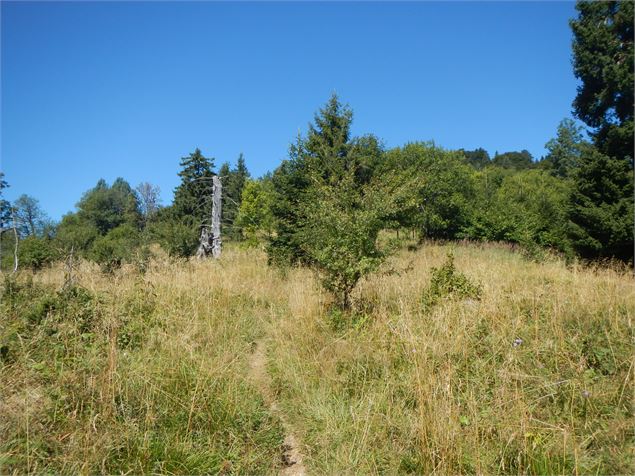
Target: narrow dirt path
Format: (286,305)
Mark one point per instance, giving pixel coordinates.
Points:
(292,456)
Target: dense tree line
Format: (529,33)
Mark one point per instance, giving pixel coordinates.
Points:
(326,204)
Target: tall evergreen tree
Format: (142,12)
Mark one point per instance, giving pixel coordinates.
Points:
(601,206)
(603,62)
(192,198)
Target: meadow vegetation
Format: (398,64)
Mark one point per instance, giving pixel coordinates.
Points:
(485,363)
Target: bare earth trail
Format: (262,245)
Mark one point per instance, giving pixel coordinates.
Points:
(292,457)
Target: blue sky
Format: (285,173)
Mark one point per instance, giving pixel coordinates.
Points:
(92,90)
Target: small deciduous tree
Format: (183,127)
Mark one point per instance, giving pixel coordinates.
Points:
(255,219)
(149,199)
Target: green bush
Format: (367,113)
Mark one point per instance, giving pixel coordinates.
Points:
(35,253)
(116,247)
(447,281)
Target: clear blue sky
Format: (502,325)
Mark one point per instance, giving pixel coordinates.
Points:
(93,90)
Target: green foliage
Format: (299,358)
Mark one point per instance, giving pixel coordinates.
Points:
(327,208)
(76,233)
(255,219)
(601,207)
(339,233)
(107,207)
(233,184)
(441,189)
(514,160)
(603,59)
(178,236)
(192,198)
(478,158)
(528,207)
(564,150)
(116,247)
(35,252)
(447,281)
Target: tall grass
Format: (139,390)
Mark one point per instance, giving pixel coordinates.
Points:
(148,373)
(535,377)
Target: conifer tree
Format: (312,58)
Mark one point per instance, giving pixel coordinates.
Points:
(192,198)
(233,185)
(601,205)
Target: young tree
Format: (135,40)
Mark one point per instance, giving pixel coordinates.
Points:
(329,206)
(255,219)
(327,153)
(565,149)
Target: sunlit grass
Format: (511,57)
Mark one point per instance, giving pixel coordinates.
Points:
(148,373)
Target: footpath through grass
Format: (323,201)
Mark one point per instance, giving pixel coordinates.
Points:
(493,364)
(136,373)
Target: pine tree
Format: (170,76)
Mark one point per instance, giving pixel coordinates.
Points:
(192,198)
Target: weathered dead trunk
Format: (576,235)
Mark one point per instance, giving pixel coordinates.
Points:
(217,192)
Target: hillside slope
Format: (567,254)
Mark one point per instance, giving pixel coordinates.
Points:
(151,372)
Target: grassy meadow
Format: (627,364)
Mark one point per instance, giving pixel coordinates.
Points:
(149,371)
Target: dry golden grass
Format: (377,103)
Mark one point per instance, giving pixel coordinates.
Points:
(149,373)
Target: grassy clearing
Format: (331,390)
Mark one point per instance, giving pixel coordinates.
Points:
(528,369)
(535,377)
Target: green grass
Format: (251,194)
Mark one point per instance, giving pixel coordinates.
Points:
(148,373)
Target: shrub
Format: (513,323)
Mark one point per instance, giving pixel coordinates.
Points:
(35,252)
(447,281)
(117,247)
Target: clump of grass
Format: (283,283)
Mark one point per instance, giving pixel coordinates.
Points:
(447,281)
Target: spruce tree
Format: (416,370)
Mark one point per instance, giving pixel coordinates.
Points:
(601,205)
(324,154)
(603,62)
(192,198)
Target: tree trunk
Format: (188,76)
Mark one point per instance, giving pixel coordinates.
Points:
(210,241)
(217,191)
